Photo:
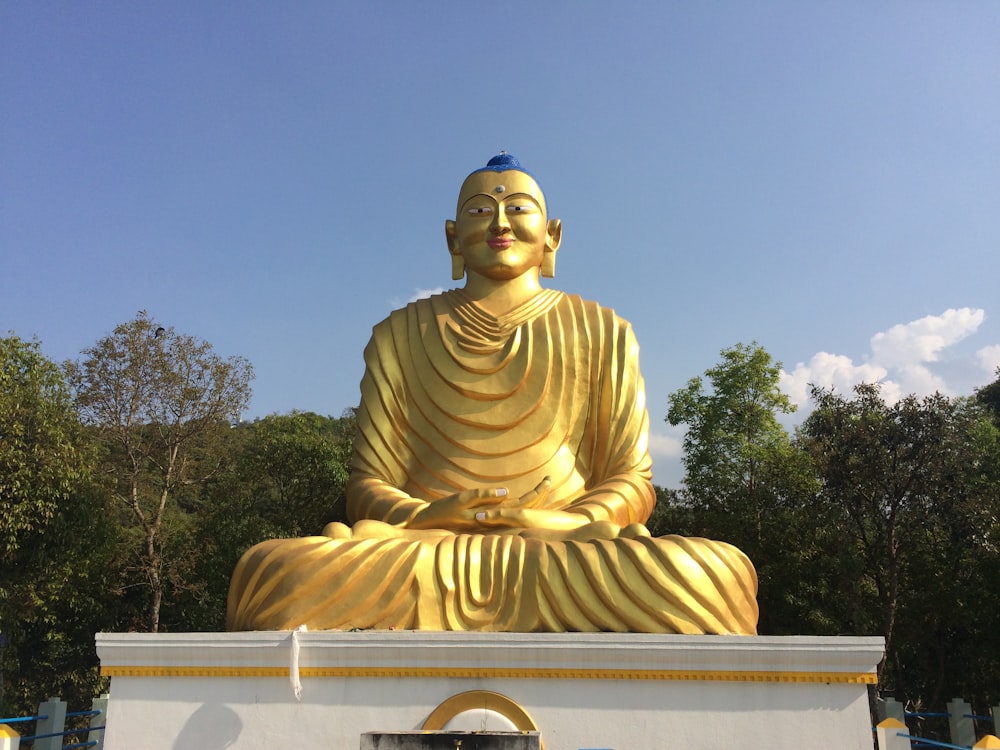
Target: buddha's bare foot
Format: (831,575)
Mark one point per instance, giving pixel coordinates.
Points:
(635,531)
(336,530)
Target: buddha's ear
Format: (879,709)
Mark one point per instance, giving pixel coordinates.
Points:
(457,261)
(553,236)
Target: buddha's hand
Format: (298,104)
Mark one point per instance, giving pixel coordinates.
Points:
(463,511)
(528,512)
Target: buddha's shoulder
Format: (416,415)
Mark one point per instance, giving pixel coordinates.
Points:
(549,302)
(432,304)
(594,310)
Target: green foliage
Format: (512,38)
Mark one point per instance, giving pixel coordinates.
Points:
(286,478)
(55,545)
(180,495)
(875,519)
(745,482)
(911,490)
(64,592)
(153,394)
(739,460)
(41,455)
(296,465)
(671,514)
(989,397)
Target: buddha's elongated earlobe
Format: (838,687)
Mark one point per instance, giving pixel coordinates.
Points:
(553,238)
(457,261)
(549,264)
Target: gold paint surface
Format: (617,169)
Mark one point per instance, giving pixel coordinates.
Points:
(501,472)
(479,699)
(483,700)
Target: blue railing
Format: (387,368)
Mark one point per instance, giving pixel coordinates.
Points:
(959,722)
(15,719)
(50,726)
(918,742)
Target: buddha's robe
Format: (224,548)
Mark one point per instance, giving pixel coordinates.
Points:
(452,399)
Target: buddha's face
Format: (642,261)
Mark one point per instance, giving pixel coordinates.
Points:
(500,229)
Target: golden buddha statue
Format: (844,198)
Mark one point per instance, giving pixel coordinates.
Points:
(501,473)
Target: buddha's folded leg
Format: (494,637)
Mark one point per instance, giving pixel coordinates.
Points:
(496,583)
(325,584)
(646,585)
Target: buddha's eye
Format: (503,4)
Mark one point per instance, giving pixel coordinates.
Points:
(520,209)
(480,211)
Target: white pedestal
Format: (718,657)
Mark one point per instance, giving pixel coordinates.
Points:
(580,690)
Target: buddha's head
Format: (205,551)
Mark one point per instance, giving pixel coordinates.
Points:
(501,229)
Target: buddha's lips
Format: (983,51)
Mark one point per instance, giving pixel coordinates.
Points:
(500,243)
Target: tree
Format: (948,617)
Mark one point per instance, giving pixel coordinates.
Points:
(297,467)
(908,487)
(41,452)
(152,394)
(671,514)
(736,454)
(55,546)
(989,397)
(286,478)
(745,482)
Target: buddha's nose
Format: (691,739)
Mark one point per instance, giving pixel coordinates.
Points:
(500,223)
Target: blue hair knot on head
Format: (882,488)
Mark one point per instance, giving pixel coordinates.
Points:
(503,161)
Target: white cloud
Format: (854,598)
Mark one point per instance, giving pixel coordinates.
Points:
(664,445)
(898,361)
(989,358)
(922,340)
(920,380)
(830,371)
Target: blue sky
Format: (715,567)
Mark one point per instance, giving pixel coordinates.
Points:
(823,178)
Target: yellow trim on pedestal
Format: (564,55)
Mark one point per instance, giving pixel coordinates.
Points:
(846,678)
(140,671)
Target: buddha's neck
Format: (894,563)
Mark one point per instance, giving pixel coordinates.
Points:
(500,297)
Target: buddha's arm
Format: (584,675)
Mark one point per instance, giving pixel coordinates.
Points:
(476,510)
(613,451)
(369,497)
(623,499)
(616,455)
(375,499)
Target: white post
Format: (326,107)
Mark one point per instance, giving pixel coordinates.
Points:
(961,726)
(100,720)
(54,711)
(890,708)
(9,739)
(887,734)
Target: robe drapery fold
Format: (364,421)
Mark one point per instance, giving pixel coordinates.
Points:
(453,399)
(496,583)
